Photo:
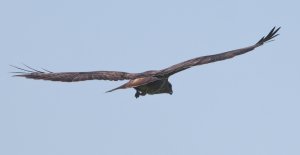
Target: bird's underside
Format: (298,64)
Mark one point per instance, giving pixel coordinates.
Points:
(149,82)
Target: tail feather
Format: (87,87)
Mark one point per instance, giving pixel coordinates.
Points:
(120,87)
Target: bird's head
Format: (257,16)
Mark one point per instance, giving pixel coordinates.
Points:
(170,90)
(167,88)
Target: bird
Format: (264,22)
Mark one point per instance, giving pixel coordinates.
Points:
(149,82)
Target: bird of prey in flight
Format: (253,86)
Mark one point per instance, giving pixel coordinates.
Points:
(149,82)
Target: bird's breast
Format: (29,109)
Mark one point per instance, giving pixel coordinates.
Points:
(140,81)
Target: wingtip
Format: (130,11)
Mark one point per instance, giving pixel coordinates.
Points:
(272,34)
(19,75)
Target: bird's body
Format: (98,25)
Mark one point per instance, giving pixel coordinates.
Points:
(149,82)
(158,86)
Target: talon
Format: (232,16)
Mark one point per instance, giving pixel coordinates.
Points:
(137,94)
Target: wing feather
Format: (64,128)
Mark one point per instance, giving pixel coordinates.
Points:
(116,75)
(75,76)
(216,57)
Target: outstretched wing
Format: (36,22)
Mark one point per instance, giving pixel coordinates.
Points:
(115,75)
(217,57)
(74,76)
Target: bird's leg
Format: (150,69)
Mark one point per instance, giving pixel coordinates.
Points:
(137,94)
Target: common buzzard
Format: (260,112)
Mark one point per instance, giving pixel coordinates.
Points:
(149,82)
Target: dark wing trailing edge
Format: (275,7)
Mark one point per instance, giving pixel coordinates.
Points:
(217,57)
(73,76)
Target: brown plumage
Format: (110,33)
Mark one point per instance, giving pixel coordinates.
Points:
(149,82)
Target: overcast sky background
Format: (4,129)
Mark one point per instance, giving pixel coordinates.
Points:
(248,105)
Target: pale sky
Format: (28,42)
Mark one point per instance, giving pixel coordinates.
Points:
(248,105)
